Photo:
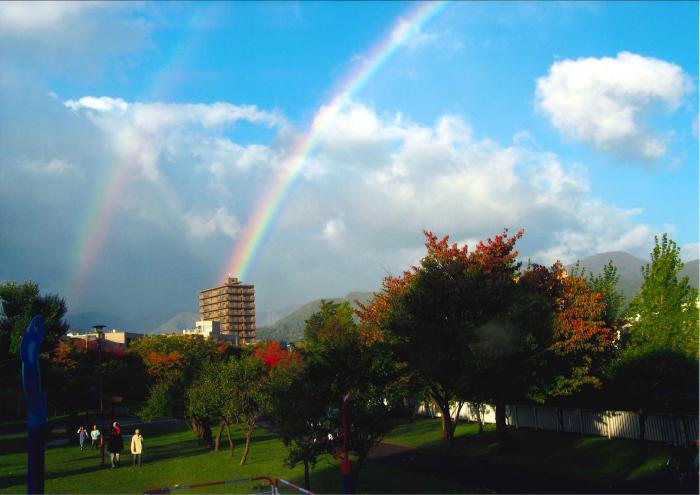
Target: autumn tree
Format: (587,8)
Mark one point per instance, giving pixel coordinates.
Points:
(434,313)
(173,363)
(582,334)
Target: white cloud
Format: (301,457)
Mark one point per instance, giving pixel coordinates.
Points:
(604,101)
(53,167)
(690,252)
(100,104)
(144,133)
(204,226)
(389,178)
(333,230)
(23,16)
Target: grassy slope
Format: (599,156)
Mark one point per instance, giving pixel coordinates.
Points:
(172,456)
(595,459)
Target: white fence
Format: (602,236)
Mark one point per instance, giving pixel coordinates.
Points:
(612,424)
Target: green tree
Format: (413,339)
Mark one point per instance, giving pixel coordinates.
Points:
(298,412)
(664,315)
(344,358)
(20,302)
(655,380)
(605,283)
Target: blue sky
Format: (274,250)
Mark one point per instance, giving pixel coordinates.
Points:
(576,121)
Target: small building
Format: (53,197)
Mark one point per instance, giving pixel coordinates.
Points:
(111,340)
(211,330)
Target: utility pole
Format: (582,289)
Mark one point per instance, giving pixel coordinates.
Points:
(100,337)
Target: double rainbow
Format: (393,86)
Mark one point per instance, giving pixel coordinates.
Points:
(270,203)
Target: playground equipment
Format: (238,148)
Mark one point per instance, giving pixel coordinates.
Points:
(273,486)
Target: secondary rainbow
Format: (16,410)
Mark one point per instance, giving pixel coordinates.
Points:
(270,203)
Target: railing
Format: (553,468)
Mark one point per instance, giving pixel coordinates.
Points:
(672,428)
(273,485)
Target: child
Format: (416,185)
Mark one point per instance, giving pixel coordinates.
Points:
(82,436)
(137,447)
(95,436)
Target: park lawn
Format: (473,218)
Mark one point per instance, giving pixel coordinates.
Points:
(172,456)
(595,459)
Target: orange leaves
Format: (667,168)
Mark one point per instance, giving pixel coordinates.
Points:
(579,326)
(162,364)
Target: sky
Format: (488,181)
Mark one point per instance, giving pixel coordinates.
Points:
(147,150)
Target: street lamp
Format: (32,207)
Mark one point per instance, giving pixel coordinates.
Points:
(345,465)
(99,330)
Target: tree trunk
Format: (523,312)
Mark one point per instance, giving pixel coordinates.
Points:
(501,423)
(447,431)
(230,439)
(307,480)
(206,434)
(248,434)
(355,472)
(642,424)
(217,440)
(479,418)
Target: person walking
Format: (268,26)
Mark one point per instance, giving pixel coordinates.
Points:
(137,447)
(115,445)
(82,436)
(95,436)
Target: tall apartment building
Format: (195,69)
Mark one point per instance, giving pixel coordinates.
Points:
(233,305)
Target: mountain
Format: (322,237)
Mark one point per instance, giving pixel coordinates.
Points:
(630,270)
(160,323)
(291,327)
(83,322)
(178,322)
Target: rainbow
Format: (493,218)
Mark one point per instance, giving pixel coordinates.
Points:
(270,203)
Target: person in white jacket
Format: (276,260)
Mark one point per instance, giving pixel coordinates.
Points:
(137,447)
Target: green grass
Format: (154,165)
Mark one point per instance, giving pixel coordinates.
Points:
(595,459)
(172,456)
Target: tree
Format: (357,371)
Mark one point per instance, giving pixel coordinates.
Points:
(435,312)
(355,373)
(18,304)
(298,412)
(249,399)
(664,315)
(657,367)
(173,363)
(652,380)
(606,283)
(582,339)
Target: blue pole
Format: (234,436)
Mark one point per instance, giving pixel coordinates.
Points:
(36,403)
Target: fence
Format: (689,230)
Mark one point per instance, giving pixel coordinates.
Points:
(612,424)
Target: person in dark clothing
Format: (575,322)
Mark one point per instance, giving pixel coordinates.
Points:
(115,445)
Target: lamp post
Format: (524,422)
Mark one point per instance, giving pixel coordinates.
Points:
(345,465)
(100,335)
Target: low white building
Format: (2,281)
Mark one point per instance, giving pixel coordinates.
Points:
(211,330)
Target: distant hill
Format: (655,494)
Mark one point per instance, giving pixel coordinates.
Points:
(178,322)
(291,327)
(163,323)
(630,270)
